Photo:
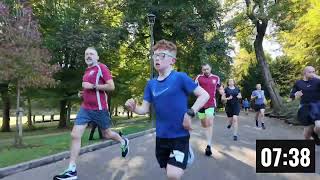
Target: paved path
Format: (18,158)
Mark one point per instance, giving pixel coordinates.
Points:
(230,161)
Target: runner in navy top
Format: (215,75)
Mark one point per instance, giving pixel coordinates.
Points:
(168,93)
(232,96)
(308,91)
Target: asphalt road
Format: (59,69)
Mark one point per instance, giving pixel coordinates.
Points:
(230,161)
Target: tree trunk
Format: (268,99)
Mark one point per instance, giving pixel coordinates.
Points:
(63,114)
(116,111)
(18,137)
(4,88)
(30,125)
(68,113)
(269,82)
(128,114)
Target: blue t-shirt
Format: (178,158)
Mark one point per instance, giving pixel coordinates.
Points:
(246,103)
(170,100)
(259,94)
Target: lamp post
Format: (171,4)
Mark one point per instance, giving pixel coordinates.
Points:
(151,21)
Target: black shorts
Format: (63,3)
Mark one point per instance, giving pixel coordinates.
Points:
(173,151)
(232,109)
(257,107)
(308,113)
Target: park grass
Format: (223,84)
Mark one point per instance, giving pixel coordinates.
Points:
(38,146)
(51,128)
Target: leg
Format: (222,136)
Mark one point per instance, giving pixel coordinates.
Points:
(257,119)
(230,120)
(100,133)
(261,114)
(235,127)
(262,118)
(76,135)
(173,172)
(109,134)
(316,132)
(307,132)
(79,127)
(93,128)
(208,122)
(208,131)
(178,158)
(317,127)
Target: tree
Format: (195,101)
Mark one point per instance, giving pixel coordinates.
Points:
(4,88)
(304,48)
(68,28)
(25,62)
(193,25)
(286,80)
(259,12)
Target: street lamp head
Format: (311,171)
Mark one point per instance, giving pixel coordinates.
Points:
(151,19)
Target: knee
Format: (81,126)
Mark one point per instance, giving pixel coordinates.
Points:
(174,175)
(317,129)
(107,133)
(75,135)
(205,123)
(307,135)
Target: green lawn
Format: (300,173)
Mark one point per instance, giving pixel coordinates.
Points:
(51,127)
(59,141)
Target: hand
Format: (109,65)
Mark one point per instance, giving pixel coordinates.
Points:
(131,104)
(87,85)
(239,96)
(298,94)
(80,94)
(230,97)
(187,122)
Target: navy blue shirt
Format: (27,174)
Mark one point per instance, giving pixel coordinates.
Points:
(170,100)
(310,90)
(232,92)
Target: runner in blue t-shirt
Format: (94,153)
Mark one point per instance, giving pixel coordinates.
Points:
(246,105)
(259,105)
(168,93)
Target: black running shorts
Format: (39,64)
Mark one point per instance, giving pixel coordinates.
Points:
(258,107)
(173,151)
(232,109)
(308,113)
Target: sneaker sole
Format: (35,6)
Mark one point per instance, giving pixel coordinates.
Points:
(70,178)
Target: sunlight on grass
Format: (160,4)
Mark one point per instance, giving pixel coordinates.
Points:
(41,146)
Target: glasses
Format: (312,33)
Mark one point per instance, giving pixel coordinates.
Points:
(161,56)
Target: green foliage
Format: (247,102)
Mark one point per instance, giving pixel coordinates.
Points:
(23,58)
(192,25)
(302,43)
(285,80)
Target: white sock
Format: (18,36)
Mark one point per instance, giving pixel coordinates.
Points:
(209,135)
(72,167)
(122,142)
